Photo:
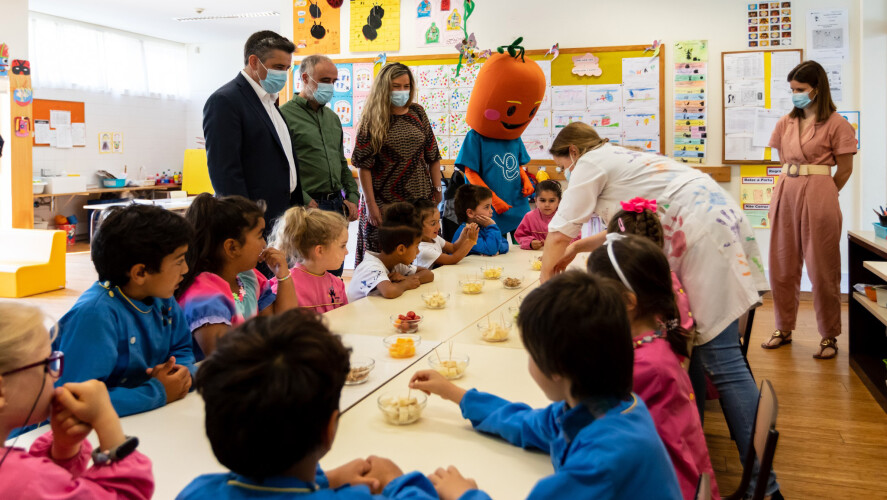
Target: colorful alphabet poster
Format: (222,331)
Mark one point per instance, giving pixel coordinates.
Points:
(690,88)
(375,26)
(316,27)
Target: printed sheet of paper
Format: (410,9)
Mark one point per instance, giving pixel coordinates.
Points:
(765,122)
(744,66)
(63,136)
(78,134)
(744,93)
(739,121)
(828,34)
(41,132)
(59,118)
(739,147)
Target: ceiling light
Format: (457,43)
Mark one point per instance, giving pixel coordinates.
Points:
(247,15)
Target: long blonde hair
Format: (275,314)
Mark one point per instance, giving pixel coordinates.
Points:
(376,117)
(301,229)
(581,135)
(21,330)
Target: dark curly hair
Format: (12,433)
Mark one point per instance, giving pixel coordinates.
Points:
(644,224)
(401,225)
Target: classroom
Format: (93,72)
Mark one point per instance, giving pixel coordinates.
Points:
(437,199)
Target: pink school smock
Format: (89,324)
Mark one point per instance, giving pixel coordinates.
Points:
(322,293)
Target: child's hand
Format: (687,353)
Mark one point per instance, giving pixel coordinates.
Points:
(432,382)
(536,244)
(473,230)
(395,277)
(483,220)
(412,282)
(383,470)
(68,431)
(450,484)
(353,473)
(176,379)
(90,403)
(276,261)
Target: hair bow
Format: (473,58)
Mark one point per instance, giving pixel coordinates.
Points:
(638,205)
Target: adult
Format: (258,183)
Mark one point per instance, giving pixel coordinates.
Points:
(395,151)
(248,146)
(709,244)
(316,133)
(805,217)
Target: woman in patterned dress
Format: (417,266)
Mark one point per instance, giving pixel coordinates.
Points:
(395,152)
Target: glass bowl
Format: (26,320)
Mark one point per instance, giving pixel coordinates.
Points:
(403,325)
(361,366)
(536,264)
(450,366)
(471,285)
(400,408)
(435,300)
(494,330)
(512,281)
(491,272)
(403,345)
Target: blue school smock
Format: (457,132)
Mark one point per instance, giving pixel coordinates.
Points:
(617,455)
(112,338)
(236,487)
(489,241)
(498,163)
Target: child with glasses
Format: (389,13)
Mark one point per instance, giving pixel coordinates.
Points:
(56,464)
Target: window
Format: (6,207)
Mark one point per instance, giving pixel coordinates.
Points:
(70,55)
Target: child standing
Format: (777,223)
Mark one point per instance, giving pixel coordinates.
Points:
(658,340)
(474,204)
(127,330)
(278,380)
(600,436)
(317,242)
(223,287)
(533,228)
(390,272)
(56,465)
(434,250)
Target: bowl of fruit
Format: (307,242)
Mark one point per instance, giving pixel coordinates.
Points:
(406,323)
(471,285)
(361,366)
(512,281)
(536,263)
(492,330)
(435,300)
(402,345)
(451,366)
(402,409)
(491,272)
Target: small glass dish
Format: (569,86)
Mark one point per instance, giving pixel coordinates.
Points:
(403,345)
(402,324)
(512,281)
(514,311)
(451,366)
(361,366)
(492,330)
(471,285)
(435,300)
(536,264)
(491,272)
(400,408)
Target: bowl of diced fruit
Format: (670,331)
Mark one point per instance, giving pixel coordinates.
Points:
(400,408)
(471,285)
(494,330)
(402,345)
(491,272)
(536,263)
(451,366)
(406,323)
(435,300)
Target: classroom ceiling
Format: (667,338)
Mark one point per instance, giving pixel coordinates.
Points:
(156,17)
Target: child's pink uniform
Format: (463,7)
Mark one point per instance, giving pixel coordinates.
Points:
(533,227)
(29,475)
(665,387)
(683,303)
(321,293)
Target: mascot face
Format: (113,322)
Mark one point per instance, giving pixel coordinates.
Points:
(506,97)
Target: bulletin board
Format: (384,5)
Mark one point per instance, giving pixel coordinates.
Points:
(772,103)
(42,107)
(352,87)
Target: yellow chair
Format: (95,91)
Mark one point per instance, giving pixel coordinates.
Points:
(195,173)
(32,261)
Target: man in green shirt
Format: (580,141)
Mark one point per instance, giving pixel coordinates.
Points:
(316,134)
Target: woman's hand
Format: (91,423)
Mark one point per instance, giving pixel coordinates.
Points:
(437,196)
(374,214)
(570,254)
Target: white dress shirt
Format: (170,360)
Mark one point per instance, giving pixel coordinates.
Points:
(268,102)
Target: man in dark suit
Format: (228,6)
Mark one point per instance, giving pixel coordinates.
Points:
(248,145)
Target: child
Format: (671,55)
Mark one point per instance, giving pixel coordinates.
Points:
(223,287)
(277,381)
(56,465)
(602,442)
(658,339)
(390,272)
(533,228)
(127,330)
(316,241)
(434,250)
(474,204)
(638,216)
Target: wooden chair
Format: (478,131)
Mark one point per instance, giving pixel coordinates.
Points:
(762,446)
(703,488)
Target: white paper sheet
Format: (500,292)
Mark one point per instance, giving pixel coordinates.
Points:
(64,139)
(78,134)
(57,118)
(828,34)
(41,132)
(744,66)
(640,70)
(568,98)
(739,147)
(744,93)
(834,69)
(739,120)
(765,122)
(604,97)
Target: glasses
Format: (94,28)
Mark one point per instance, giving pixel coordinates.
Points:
(54,365)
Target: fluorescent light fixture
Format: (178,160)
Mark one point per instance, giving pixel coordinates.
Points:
(247,15)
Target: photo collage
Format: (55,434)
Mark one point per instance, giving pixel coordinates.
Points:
(770,24)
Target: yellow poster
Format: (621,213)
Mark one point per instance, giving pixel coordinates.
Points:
(375,26)
(756,191)
(316,27)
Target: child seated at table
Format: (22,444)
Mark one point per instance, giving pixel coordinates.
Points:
(127,330)
(602,442)
(316,242)
(474,204)
(640,269)
(390,272)
(56,464)
(434,250)
(271,393)
(533,229)
(223,287)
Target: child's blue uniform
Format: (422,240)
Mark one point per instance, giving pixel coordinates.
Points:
(489,240)
(236,487)
(617,455)
(112,338)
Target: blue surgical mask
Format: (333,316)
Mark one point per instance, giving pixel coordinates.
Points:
(323,93)
(400,98)
(274,81)
(568,171)
(801,100)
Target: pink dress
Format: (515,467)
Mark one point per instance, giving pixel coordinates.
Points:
(534,227)
(29,475)
(321,293)
(665,387)
(683,303)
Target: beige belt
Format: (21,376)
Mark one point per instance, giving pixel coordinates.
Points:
(793,170)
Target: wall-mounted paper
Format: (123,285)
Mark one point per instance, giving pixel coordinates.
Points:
(78,134)
(739,121)
(739,147)
(58,118)
(568,98)
(828,34)
(744,66)
(604,96)
(765,123)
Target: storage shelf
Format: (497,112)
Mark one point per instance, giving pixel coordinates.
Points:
(877,267)
(878,311)
(161,187)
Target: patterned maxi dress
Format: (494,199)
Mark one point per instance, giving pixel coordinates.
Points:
(400,170)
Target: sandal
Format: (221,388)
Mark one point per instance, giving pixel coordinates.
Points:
(827,344)
(785,337)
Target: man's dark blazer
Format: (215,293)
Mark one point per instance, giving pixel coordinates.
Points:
(244,152)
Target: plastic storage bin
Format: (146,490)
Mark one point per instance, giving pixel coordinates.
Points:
(114,183)
(880,231)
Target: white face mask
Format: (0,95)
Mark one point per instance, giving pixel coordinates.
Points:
(569,170)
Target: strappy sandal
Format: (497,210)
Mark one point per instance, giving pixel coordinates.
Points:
(783,336)
(827,344)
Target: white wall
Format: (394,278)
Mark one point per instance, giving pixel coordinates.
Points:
(209,67)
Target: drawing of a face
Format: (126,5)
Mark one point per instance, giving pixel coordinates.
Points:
(506,96)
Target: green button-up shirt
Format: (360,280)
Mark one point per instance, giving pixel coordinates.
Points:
(317,139)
